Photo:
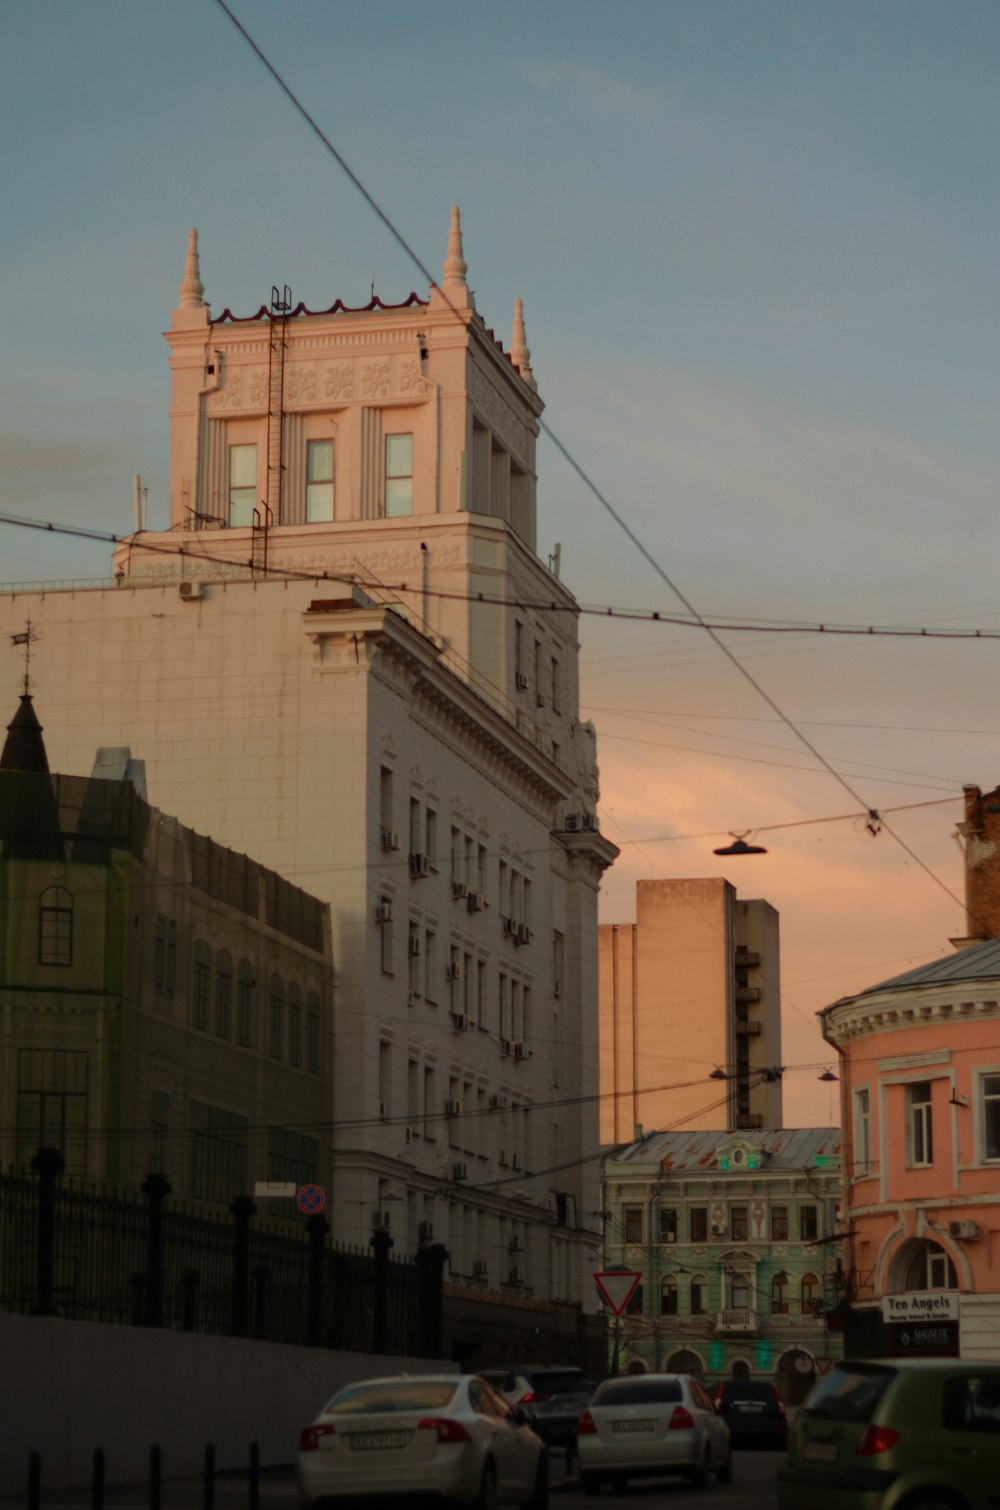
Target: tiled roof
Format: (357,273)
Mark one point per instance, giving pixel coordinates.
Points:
(977,962)
(786,1148)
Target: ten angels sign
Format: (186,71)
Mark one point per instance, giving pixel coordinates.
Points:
(617,1286)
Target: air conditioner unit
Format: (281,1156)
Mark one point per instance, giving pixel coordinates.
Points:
(520,681)
(188,591)
(390,839)
(515,1275)
(383,912)
(496,1101)
(380,1220)
(453,1108)
(967,1231)
(523,934)
(515,1245)
(412,997)
(420,866)
(453,971)
(460,1022)
(459,889)
(425,1231)
(521,1051)
(670,1237)
(414,946)
(573,823)
(480,1268)
(475,901)
(589,823)
(383,1109)
(459,1171)
(718,1229)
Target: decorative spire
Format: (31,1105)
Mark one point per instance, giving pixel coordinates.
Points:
(519,353)
(454,288)
(24,750)
(192,310)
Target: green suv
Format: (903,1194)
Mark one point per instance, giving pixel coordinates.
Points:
(876,1436)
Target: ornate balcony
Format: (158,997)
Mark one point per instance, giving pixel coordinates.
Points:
(737,1323)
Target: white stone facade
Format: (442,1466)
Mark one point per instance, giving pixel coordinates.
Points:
(319,723)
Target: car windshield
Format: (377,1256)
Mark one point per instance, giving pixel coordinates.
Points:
(849,1393)
(384,1396)
(639,1392)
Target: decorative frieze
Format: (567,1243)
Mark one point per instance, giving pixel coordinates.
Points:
(499,415)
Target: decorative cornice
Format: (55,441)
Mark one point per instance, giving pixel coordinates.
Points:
(893,1010)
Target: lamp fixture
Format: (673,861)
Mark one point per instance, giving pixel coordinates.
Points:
(718,1074)
(740,846)
(828,1075)
(958,1100)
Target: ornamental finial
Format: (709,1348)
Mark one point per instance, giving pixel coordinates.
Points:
(192,289)
(519,353)
(455,266)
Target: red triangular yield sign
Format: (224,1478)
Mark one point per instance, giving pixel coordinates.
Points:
(618,1287)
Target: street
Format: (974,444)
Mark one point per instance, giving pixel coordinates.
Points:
(752,1488)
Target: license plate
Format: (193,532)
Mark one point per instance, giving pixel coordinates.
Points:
(371,1441)
(749,1405)
(820,1452)
(623,1426)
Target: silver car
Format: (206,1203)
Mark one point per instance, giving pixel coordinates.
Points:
(441,1436)
(652,1424)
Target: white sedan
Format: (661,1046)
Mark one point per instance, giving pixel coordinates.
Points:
(447,1437)
(652,1424)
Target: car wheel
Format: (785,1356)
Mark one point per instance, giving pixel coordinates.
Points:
(590,1483)
(933,1499)
(724,1472)
(699,1477)
(487,1499)
(540,1495)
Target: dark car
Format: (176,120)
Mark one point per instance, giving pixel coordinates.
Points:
(754,1412)
(552,1396)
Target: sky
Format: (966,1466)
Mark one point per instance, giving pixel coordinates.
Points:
(756,244)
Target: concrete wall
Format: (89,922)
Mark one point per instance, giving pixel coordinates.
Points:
(70,1386)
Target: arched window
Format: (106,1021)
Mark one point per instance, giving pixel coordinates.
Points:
(699,1295)
(276,1035)
(201,985)
(312,1033)
(294,1025)
(55,927)
(223,993)
(244,1004)
(810,1294)
(684,1361)
(930,1268)
(779,1294)
(740,1370)
(668,1295)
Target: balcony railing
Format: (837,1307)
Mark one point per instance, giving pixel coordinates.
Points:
(740,1322)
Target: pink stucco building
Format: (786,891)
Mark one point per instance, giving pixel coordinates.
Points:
(920,1059)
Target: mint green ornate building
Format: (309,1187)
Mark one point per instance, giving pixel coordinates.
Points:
(734,1234)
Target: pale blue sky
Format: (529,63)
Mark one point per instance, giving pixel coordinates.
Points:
(757,247)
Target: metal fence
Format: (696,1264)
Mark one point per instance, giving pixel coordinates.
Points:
(136,1258)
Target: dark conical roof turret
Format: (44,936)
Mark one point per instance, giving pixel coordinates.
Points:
(24,749)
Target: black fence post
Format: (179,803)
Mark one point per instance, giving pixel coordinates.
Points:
(137,1284)
(431,1261)
(317,1228)
(261,1298)
(380,1242)
(253,1479)
(243,1211)
(97,1481)
(156,1188)
(209,1496)
(49,1163)
(34,1480)
(190,1280)
(155,1478)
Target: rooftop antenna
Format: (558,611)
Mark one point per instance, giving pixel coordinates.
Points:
(141,497)
(26,638)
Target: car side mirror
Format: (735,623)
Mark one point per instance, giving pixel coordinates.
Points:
(521,1416)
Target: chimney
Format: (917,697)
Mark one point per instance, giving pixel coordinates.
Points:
(980,835)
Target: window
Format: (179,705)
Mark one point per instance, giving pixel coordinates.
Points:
(223,994)
(634,1307)
(276,1020)
(921,1131)
(385,935)
(201,985)
(668,1295)
(55,927)
(808,1223)
(160,956)
(738,1227)
(171,980)
(558,963)
(430,967)
(668,1224)
(244,1004)
(429,1129)
(159,1129)
(779,1294)
(699,1224)
(319,481)
(779,1224)
(398,475)
(739,1292)
(218,1167)
(52,1105)
(242,484)
(294,1025)
(810,1294)
(973,1404)
(699,1295)
(862,1132)
(991,1116)
(930,1268)
(312,1033)
(292,1156)
(385,1075)
(632,1223)
(554,686)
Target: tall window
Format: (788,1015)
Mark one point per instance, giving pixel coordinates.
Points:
(171,981)
(668,1295)
(319,481)
(779,1294)
(930,1268)
(244,1004)
(219,1138)
(159,1130)
(699,1295)
(668,1224)
(779,1224)
(398,475)
(242,484)
(808,1224)
(52,1105)
(223,994)
(276,1035)
(862,1132)
(312,1033)
(991,1116)
(738,1227)
(292,1156)
(921,1132)
(55,927)
(698,1219)
(294,1025)
(201,985)
(739,1292)
(810,1294)
(632,1223)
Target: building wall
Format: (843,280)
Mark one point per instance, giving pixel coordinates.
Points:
(669,1010)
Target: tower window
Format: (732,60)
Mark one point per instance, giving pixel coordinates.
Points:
(319,481)
(398,475)
(55,927)
(242,484)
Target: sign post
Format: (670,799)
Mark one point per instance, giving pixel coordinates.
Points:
(616,1288)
